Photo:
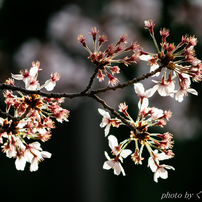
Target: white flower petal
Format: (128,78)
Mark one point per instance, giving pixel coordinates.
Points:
(145,103)
(110,163)
(103,112)
(106,155)
(150,92)
(145,57)
(106,166)
(154,67)
(46,154)
(192,91)
(117,168)
(139,89)
(125,153)
(20,163)
(162,173)
(17,76)
(34,164)
(107,128)
(113,142)
(152,164)
(179,95)
(33,71)
(49,85)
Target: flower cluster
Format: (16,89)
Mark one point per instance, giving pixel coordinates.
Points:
(103,60)
(179,61)
(32,119)
(154,142)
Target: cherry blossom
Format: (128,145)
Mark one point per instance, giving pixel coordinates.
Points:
(116,148)
(162,172)
(114,164)
(144,95)
(171,59)
(27,76)
(153,160)
(50,84)
(104,59)
(107,121)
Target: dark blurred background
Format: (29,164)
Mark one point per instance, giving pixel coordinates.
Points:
(47,31)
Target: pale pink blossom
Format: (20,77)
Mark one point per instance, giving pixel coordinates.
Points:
(50,84)
(164,87)
(154,160)
(162,172)
(26,76)
(36,159)
(106,121)
(114,164)
(116,148)
(32,84)
(153,65)
(145,57)
(144,95)
(156,113)
(149,24)
(34,155)
(20,161)
(112,80)
(181,93)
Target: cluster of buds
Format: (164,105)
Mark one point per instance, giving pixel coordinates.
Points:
(103,60)
(178,61)
(154,142)
(32,119)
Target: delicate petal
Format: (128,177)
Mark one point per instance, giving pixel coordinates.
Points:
(106,155)
(20,163)
(150,92)
(110,163)
(104,113)
(46,154)
(33,71)
(154,67)
(107,128)
(179,95)
(32,87)
(17,76)
(34,164)
(145,57)
(162,90)
(117,168)
(106,166)
(139,89)
(113,142)
(126,152)
(49,85)
(144,105)
(36,145)
(192,91)
(161,172)
(152,164)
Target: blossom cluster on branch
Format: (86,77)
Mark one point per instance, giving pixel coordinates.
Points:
(30,113)
(32,119)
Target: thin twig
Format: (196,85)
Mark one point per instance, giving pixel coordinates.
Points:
(91,81)
(112,110)
(135,80)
